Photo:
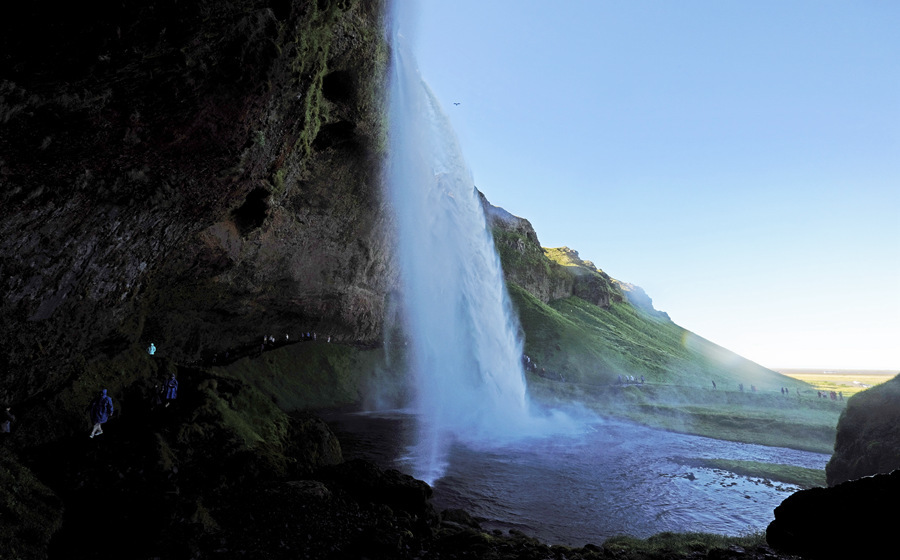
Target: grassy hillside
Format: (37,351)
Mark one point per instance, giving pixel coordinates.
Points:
(585,343)
(580,350)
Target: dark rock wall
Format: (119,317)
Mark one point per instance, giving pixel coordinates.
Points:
(868,435)
(809,522)
(196,174)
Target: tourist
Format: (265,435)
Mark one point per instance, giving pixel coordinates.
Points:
(8,419)
(171,390)
(156,399)
(151,349)
(101,410)
(714,384)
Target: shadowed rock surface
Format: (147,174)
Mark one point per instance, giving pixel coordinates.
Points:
(179,172)
(851,520)
(868,435)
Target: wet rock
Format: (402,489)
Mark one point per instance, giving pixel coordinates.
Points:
(367,482)
(460,517)
(310,489)
(313,444)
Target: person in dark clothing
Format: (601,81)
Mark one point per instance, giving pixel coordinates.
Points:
(156,398)
(8,419)
(171,389)
(101,410)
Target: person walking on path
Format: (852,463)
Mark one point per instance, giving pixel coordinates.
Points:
(101,410)
(8,419)
(171,389)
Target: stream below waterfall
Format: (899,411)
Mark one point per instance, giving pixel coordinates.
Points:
(613,478)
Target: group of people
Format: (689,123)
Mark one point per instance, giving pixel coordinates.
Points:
(101,408)
(269,340)
(835,395)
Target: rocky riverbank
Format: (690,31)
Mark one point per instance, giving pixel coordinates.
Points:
(222,473)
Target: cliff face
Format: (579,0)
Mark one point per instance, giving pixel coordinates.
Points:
(550,274)
(195,174)
(524,263)
(868,437)
(590,283)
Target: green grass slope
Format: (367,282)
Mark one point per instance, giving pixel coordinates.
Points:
(580,350)
(590,344)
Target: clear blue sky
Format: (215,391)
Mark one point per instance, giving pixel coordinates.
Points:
(740,161)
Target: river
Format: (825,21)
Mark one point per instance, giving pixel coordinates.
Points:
(613,478)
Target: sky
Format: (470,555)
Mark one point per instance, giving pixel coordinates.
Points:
(740,161)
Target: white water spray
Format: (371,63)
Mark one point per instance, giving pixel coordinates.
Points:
(465,354)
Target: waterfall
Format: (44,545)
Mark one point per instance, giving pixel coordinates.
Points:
(464,350)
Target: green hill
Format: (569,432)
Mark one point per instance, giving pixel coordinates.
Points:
(593,339)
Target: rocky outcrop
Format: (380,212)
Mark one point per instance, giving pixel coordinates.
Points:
(868,435)
(553,274)
(189,173)
(524,262)
(591,284)
(637,297)
(805,522)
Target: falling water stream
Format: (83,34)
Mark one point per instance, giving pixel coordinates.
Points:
(464,349)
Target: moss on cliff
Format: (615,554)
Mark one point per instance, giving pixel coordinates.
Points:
(312,375)
(525,264)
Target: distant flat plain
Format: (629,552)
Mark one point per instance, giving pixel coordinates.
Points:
(847,381)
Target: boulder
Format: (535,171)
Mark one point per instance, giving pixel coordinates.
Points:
(855,519)
(366,482)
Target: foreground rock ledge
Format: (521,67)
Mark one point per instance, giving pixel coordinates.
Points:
(856,519)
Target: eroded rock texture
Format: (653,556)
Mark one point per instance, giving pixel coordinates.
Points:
(196,174)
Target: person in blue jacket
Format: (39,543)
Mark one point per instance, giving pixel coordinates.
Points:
(171,389)
(101,410)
